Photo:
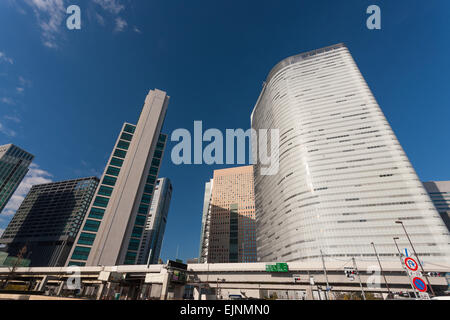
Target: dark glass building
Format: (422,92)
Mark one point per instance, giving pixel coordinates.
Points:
(48,220)
(14,163)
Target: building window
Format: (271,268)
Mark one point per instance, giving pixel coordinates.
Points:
(129,128)
(96,213)
(101,202)
(110,181)
(140,221)
(120,153)
(81,253)
(146,199)
(86,238)
(123,145)
(113,171)
(105,191)
(91,225)
(126,136)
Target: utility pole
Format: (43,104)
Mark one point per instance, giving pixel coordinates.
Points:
(328,288)
(359,278)
(381,269)
(401,262)
(418,259)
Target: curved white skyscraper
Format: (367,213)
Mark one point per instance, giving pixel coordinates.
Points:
(343,177)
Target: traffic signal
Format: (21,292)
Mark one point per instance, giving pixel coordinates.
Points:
(350,273)
(433,274)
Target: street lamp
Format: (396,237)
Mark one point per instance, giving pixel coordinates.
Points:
(381,269)
(418,259)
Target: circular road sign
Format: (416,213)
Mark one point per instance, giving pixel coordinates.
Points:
(411,264)
(420,284)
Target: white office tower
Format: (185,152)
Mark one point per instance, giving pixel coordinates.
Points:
(343,178)
(112,231)
(206,223)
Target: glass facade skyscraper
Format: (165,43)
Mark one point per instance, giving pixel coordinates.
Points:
(48,220)
(156,223)
(14,163)
(343,177)
(112,231)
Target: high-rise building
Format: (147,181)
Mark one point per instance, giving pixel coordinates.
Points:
(112,231)
(206,220)
(343,177)
(48,220)
(156,223)
(228,230)
(14,163)
(439,192)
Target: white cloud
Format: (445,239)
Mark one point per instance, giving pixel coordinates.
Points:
(6,131)
(100,19)
(12,118)
(33,177)
(6,100)
(19,89)
(5,58)
(120,24)
(137,30)
(50,15)
(113,6)
(24,82)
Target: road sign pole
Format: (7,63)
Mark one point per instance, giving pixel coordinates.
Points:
(381,269)
(406,270)
(359,278)
(418,259)
(328,289)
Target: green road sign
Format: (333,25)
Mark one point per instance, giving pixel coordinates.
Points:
(279,267)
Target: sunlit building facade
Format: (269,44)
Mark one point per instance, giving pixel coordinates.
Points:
(343,177)
(228,230)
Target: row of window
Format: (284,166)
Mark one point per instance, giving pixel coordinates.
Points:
(102,198)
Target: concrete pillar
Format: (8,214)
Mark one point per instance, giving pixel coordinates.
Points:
(60,288)
(83,289)
(309,294)
(198,292)
(100,290)
(43,283)
(165,287)
(36,286)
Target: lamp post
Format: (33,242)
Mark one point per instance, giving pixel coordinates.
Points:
(401,262)
(381,269)
(418,259)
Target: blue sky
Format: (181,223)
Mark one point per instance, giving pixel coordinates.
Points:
(65,94)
